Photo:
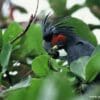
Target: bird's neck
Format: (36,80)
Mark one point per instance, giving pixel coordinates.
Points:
(72,40)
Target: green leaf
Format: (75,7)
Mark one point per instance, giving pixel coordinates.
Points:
(21,9)
(94,6)
(96,51)
(23,84)
(18,94)
(93,66)
(40,65)
(34,89)
(78,67)
(55,66)
(31,43)
(0,38)
(5,56)
(93,2)
(11,32)
(80,28)
(59,7)
(27,93)
(56,87)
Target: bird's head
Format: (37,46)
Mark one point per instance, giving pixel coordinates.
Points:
(56,33)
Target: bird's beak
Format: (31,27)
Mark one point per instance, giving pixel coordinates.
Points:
(55,47)
(53,52)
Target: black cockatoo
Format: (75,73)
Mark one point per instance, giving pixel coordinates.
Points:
(57,35)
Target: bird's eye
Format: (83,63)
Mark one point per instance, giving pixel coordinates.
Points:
(47,38)
(57,38)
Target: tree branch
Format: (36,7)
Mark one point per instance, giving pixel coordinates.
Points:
(92,27)
(32,18)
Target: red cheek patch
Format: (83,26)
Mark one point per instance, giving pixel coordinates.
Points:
(58,38)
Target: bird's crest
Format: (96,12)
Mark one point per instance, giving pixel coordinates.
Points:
(57,26)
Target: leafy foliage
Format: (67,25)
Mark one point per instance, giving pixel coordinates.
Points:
(78,67)
(42,70)
(5,56)
(39,90)
(0,38)
(59,7)
(31,43)
(28,72)
(94,6)
(10,32)
(93,67)
(46,71)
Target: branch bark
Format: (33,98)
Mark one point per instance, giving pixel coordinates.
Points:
(92,27)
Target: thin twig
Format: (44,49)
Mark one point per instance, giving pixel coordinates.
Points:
(36,10)
(23,33)
(32,18)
